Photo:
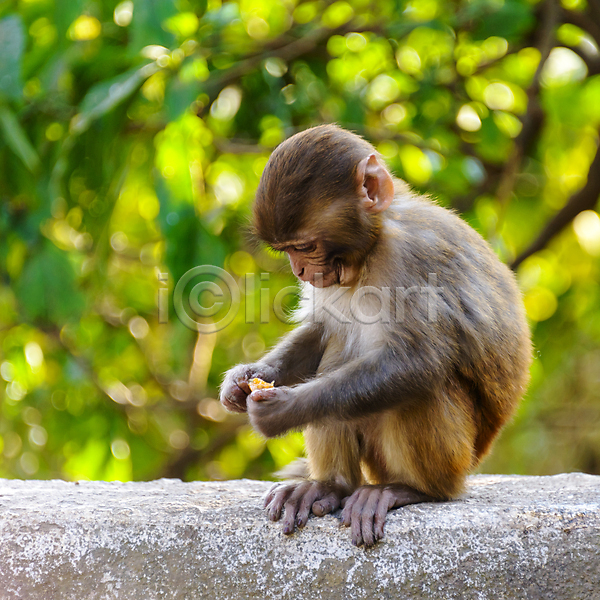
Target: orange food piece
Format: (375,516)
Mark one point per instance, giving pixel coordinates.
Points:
(259,384)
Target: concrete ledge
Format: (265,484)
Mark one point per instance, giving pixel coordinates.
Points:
(509,537)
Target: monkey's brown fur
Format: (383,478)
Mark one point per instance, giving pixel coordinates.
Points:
(414,401)
(431,441)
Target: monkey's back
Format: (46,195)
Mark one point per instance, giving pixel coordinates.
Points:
(480,319)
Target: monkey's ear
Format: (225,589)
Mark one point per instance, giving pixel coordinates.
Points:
(375,184)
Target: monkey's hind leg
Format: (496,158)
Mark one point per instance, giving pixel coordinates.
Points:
(334,471)
(421,455)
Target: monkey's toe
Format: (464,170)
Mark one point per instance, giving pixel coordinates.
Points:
(276,499)
(296,500)
(327,505)
(366,509)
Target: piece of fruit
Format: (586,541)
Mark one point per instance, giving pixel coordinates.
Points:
(258,384)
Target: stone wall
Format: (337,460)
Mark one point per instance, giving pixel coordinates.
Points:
(508,537)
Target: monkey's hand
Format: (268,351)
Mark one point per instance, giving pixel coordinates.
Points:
(366,509)
(297,499)
(235,389)
(274,411)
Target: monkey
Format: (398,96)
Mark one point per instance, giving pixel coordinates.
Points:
(399,397)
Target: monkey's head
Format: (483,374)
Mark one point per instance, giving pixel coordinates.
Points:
(320,199)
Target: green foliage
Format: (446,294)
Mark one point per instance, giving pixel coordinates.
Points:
(132,138)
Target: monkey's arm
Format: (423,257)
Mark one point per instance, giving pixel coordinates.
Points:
(296,358)
(379,380)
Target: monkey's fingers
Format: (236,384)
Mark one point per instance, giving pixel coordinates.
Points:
(367,517)
(244,386)
(386,502)
(271,494)
(356,516)
(326,505)
(276,499)
(348,503)
(261,394)
(233,397)
(312,494)
(292,505)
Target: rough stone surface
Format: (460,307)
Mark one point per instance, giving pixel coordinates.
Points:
(508,537)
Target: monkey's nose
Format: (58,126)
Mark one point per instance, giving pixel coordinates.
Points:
(300,272)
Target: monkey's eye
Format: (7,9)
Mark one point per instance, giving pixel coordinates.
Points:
(306,249)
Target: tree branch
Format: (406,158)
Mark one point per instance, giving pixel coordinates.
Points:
(585,199)
(594,6)
(594,10)
(190,456)
(534,117)
(288,52)
(225,146)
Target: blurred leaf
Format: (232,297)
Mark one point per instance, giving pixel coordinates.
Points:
(12,44)
(46,288)
(183,24)
(511,19)
(16,139)
(105,96)
(147,25)
(179,96)
(65,13)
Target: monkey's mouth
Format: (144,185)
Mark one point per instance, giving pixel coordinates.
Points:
(336,273)
(325,279)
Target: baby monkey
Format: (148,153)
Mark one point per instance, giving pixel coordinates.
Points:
(413,350)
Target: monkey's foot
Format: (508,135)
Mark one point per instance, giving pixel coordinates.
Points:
(297,499)
(366,509)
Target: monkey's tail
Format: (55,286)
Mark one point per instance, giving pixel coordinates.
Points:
(295,470)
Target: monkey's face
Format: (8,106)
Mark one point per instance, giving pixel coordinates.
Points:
(319,199)
(311,262)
